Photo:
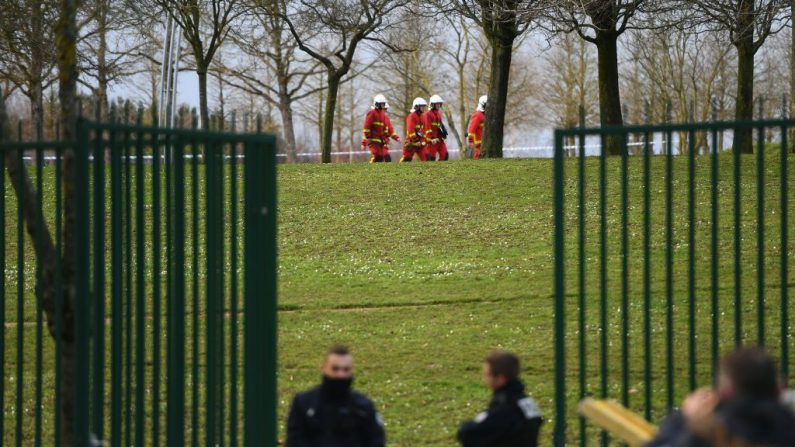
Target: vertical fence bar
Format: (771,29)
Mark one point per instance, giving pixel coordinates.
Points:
(116,366)
(98,414)
(784,254)
(233,408)
(220,190)
(39,291)
(2,287)
(560,296)
(669,313)
(58,292)
(647,390)
(140,303)
(82,300)
(128,335)
(20,302)
(156,278)
(261,289)
(760,231)
(603,275)
(714,252)
(738,292)
(581,268)
(176,322)
(211,292)
(691,257)
(195,290)
(624,274)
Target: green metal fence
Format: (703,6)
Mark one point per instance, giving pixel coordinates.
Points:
(664,261)
(154,273)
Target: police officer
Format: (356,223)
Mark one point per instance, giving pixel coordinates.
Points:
(512,419)
(332,414)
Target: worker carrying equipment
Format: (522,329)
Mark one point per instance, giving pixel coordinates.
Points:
(377,131)
(415,132)
(476,124)
(435,132)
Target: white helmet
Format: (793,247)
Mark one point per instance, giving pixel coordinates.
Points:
(379,99)
(386,106)
(436,99)
(418,102)
(482,103)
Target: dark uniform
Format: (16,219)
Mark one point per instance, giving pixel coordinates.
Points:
(745,421)
(512,420)
(320,419)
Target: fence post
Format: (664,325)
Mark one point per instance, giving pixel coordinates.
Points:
(260,293)
(560,296)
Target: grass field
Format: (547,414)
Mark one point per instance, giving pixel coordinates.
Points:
(422,269)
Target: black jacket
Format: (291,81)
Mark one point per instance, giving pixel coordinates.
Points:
(512,420)
(756,422)
(317,420)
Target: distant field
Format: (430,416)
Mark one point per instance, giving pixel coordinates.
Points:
(424,268)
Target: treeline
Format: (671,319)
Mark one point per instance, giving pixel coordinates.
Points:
(311,68)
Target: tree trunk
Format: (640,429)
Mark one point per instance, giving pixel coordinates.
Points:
(463,149)
(102,62)
(501,53)
(328,116)
(792,77)
(204,112)
(609,91)
(744,106)
(288,125)
(66,43)
(36,74)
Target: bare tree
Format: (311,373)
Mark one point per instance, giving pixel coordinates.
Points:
(108,53)
(570,84)
(205,24)
(749,23)
(267,44)
(602,22)
(502,23)
(343,25)
(27,46)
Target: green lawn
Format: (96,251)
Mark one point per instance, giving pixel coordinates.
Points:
(422,269)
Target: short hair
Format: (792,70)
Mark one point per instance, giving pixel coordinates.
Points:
(503,363)
(752,372)
(338,349)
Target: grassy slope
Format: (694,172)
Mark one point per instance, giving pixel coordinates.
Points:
(423,269)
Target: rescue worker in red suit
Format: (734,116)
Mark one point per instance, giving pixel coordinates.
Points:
(435,132)
(415,132)
(475,132)
(377,131)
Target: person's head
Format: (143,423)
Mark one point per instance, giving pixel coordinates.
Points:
(748,372)
(436,102)
(419,105)
(499,368)
(482,103)
(338,363)
(379,102)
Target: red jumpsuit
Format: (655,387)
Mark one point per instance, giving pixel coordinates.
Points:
(433,131)
(377,131)
(475,132)
(415,137)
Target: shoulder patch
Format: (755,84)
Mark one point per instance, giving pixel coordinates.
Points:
(378,419)
(529,408)
(481,417)
(310,412)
